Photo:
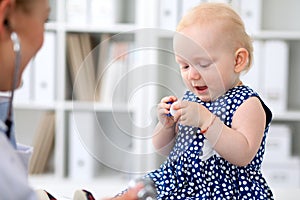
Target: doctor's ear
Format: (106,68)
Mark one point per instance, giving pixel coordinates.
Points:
(6,24)
(241,59)
(5,27)
(6,7)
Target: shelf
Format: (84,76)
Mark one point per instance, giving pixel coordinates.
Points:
(34,106)
(89,28)
(287,116)
(69,106)
(95,106)
(102,107)
(115,28)
(262,35)
(280,35)
(51,26)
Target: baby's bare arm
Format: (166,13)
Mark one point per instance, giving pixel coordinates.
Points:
(163,138)
(240,143)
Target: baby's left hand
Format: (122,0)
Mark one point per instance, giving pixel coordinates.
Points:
(190,113)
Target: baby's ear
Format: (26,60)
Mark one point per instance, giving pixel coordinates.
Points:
(241,59)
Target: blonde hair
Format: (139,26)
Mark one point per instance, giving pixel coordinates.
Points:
(220,12)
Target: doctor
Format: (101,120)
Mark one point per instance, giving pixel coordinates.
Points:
(21,36)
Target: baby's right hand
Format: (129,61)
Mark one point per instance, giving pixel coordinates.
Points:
(163,111)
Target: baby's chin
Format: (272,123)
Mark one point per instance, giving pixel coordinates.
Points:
(208,98)
(205,98)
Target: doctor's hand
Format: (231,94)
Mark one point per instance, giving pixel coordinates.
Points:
(131,194)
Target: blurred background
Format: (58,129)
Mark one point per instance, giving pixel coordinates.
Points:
(88,100)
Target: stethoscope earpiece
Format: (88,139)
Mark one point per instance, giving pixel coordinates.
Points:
(16,42)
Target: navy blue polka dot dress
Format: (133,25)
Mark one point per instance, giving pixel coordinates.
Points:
(193,170)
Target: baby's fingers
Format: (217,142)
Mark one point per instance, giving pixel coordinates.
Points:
(168,99)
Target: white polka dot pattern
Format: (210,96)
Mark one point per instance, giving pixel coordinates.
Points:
(186,175)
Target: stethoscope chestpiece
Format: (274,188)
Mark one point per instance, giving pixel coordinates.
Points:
(148,192)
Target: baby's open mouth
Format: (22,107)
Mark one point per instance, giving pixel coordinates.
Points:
(200,88)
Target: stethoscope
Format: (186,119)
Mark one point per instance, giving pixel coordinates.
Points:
(17,50)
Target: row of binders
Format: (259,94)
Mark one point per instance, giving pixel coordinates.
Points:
(257,15)
(95,64)
(43,144)
(280,167)
(171,11)
(269,73)
(99,12)
(99,141)
(39,80)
